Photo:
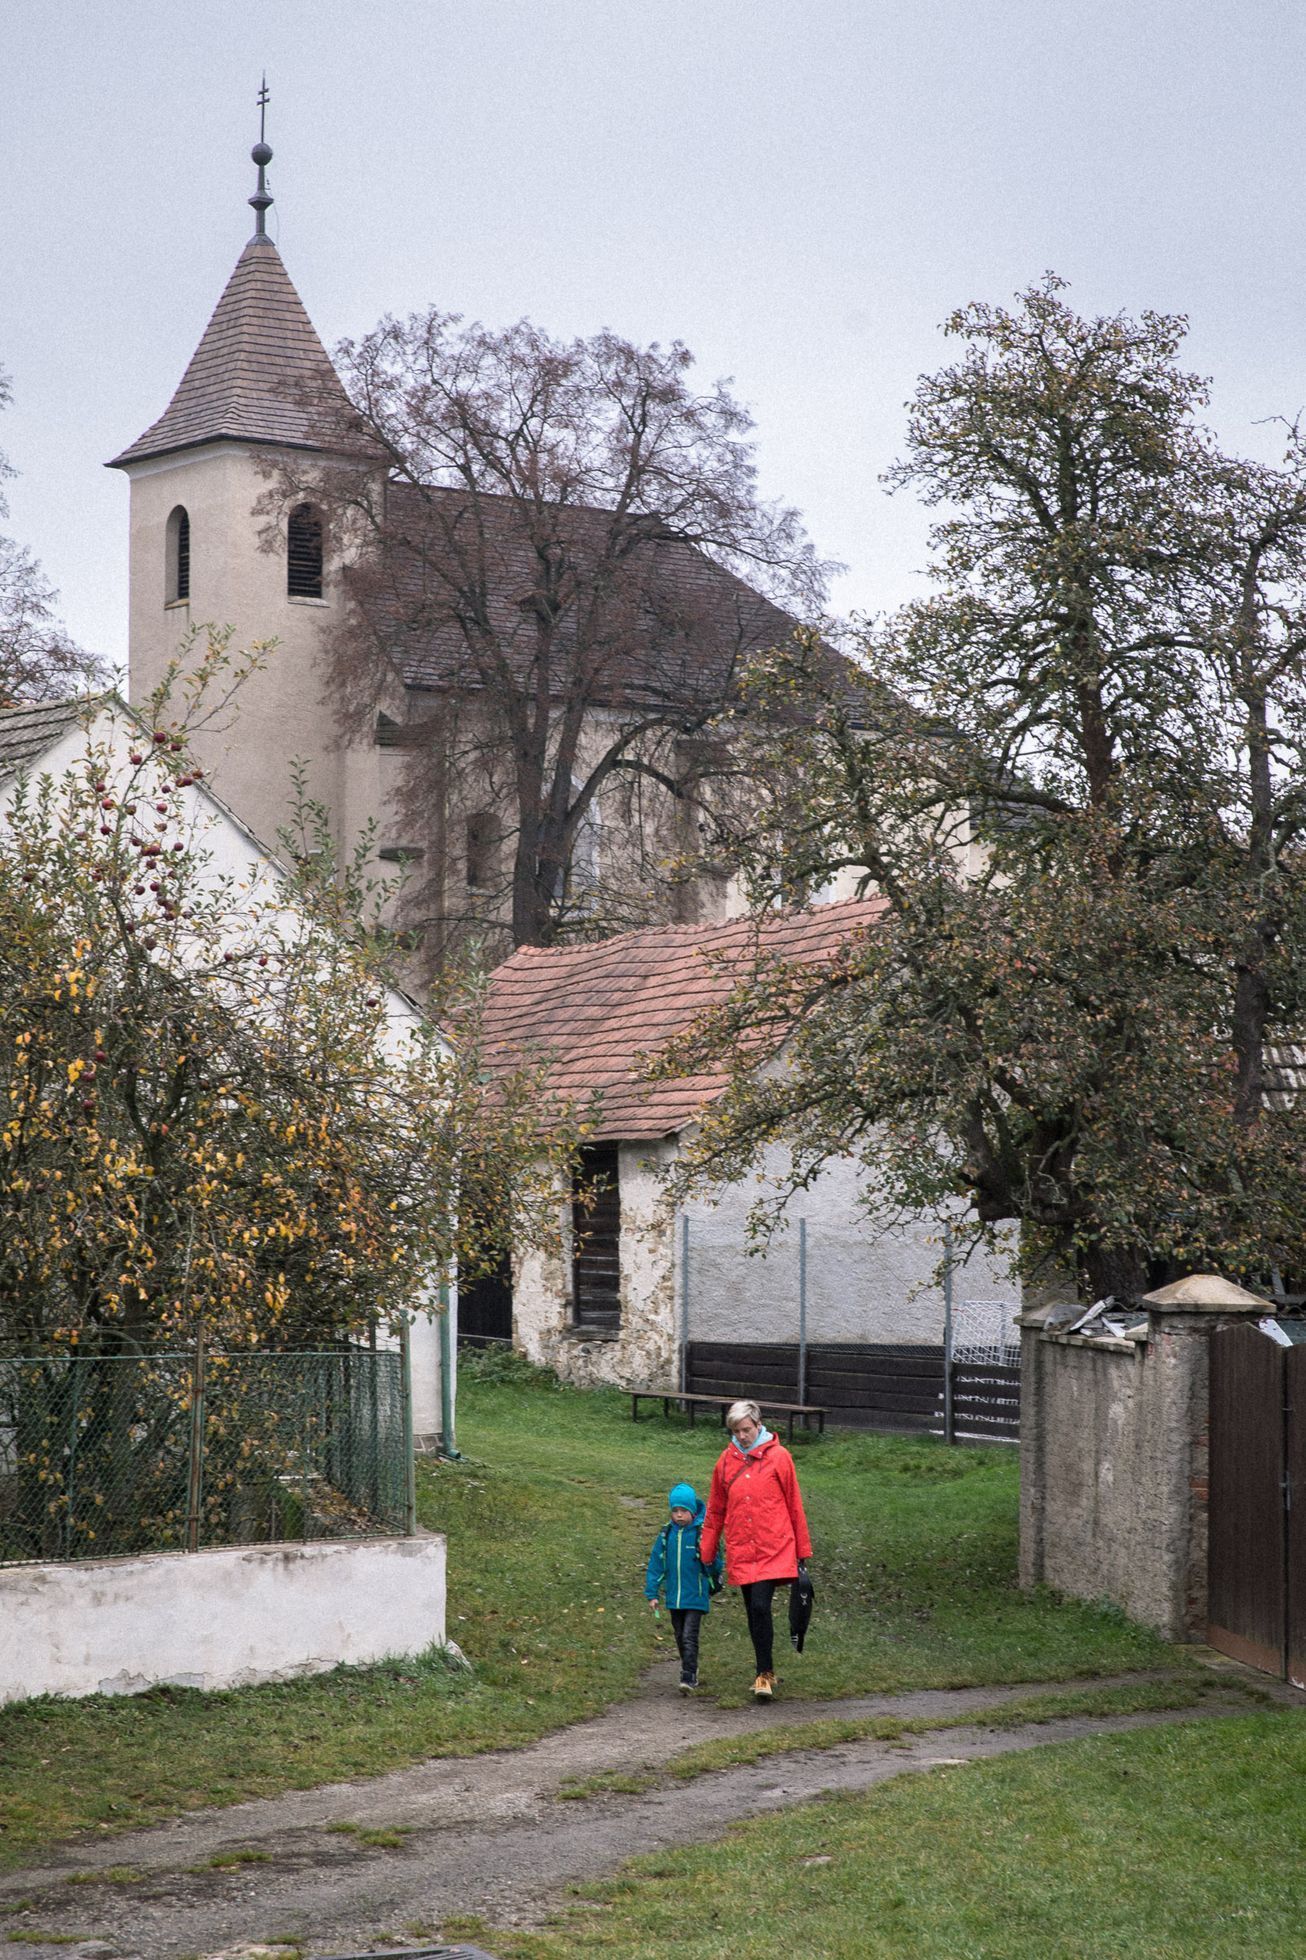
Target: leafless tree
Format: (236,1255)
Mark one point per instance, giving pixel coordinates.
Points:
(557,563)
(39,661)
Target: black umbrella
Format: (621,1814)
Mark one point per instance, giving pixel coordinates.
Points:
(802,1597)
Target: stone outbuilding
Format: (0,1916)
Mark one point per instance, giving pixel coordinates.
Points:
(617,1300)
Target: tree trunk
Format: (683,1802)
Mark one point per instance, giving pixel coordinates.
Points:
(1118,1270)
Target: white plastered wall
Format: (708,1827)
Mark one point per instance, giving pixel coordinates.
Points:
(235,853)
(226,1618)
(867,1283)
(645,1349)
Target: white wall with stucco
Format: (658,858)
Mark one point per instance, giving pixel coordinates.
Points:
(226,1618)
(868,1281)
(646,1347)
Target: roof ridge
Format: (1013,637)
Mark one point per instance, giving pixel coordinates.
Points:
(798,915)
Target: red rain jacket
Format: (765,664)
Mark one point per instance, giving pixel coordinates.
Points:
(757,1499)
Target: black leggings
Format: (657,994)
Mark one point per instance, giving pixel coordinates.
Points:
(685,1625)
(757,1604)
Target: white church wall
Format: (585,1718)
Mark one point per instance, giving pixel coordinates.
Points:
(281,713)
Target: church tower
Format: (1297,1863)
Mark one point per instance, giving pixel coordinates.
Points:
(199,555)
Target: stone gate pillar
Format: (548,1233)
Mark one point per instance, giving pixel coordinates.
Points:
(1113,1451)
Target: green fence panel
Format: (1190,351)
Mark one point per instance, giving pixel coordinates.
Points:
(97,1451)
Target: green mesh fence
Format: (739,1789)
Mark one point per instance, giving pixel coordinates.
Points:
(105,1455)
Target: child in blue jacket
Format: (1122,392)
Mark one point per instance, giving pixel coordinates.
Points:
(675,1568)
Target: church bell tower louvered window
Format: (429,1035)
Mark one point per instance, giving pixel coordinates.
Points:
(304,553)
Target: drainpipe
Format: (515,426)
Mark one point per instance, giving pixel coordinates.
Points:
(448,1353)
(802,1312)
(684,1301)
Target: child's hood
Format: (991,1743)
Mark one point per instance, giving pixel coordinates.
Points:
(683,1497)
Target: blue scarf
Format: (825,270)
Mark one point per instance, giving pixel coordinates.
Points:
(762,1436)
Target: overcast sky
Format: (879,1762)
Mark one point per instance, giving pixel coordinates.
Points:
(799,189)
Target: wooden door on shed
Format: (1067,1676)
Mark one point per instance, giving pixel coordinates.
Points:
(596,1238)
(1247,1568)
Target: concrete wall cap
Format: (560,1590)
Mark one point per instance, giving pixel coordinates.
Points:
(1204,1293)
(1039,1316)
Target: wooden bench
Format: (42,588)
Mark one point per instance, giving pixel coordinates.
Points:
(691,1402)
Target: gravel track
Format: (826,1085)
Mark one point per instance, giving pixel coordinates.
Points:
(483,1834)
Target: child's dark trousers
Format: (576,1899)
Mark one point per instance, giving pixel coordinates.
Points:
(685,1627)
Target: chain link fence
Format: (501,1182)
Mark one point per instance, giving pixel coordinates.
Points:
(857,1321)
(109,1455)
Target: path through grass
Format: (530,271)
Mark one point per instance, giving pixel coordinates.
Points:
(549,1518)
(1163,1844)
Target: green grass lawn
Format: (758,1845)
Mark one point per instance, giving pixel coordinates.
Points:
(1167,1844)
(549,1519)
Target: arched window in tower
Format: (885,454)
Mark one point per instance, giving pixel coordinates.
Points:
(177,553)
(304,553)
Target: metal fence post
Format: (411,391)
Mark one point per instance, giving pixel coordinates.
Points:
(684,1302)
(802,1310)
(70,1480)
(195,1478)
(949,1421)
(406,1394)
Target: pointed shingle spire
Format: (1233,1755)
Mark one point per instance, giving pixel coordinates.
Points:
(260,373)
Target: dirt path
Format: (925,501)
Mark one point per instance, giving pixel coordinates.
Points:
(480,1835)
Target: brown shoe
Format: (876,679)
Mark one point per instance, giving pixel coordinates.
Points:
(764,1687)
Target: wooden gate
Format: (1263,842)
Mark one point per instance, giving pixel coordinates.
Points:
(1257,1532)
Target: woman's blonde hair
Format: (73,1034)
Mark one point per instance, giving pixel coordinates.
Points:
(742,1412)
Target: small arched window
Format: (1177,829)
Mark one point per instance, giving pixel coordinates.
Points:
(177,553)
(304,553)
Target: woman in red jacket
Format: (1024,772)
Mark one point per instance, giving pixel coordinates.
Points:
(755,1497)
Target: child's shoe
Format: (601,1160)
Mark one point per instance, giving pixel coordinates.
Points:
(688,1683)
(764,1687)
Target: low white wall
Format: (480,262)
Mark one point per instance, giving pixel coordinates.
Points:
(216,1619)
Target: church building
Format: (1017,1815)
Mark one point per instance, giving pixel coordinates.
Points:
(217,542)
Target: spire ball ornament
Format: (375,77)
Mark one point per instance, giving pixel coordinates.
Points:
(261,154)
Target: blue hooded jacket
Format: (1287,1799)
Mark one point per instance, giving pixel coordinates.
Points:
(674,1564)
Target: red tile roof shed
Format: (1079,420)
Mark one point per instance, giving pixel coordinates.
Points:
(592,1011)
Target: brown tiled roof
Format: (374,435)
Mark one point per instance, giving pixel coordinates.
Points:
(27,731)
(675,625)
(256,371)
(592,1011)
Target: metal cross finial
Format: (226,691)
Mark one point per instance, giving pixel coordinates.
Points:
(262,156)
